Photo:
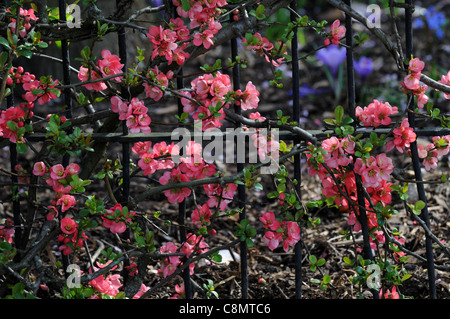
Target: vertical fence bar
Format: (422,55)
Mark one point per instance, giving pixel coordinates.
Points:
(415,156)
(182,205)
(240,168)
(67,94)
(362,217)
(121,39)
(125,145)
(297,163)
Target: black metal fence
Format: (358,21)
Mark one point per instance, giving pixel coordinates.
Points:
(123,138)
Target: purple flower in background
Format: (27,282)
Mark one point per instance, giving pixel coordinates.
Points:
(364,66)
(332,56)
(435,20)
(156,3)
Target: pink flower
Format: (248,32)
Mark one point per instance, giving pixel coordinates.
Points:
(204,38)
(72,169)
(180,292)
(415,65)
(164,42)
(293,235)
(84,75)
(52,213)
(272,240)
(404,135)
(169,265)
(376,113)
(269,221)
(250,97)
(109,285)
(68,225)
(201,217)
(412,81)
(337,32)
(441,144)
(57,172)
(66,202)
(110,65)
(141,291)
(121,107)
(390,295)
(118,225)
(7,230)
(175,194)
(141,147)
(39,169)
(445,79)
(430,161)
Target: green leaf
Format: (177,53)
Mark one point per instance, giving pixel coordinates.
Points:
(21,148)
(5,43)
(321,262)
(419,205)
(339,114)
(185,5)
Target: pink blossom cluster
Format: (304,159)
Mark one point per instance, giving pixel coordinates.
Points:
(18,115)
(25,24)
(206,36)
(70,238)
(59,179)
(156,158)
(134,113)
(375,173)
(46,88)
(160,79)
(164,41)
(374,170)
(200,12)
(403,137)
(117,223)
(6,230)
(390,294)
(411,82)
(266,144)
(208,90)
(180,292)
(201,216)
(439,147)
(178,194)
(169,264)
(248,99)
(285,232)
(376,113)
(338,151)
(445,79)
(109,65)
(193,164)
(263,47)
(202,15)
(110,284)
(337,32)
(259,44)
(190,168)
(219,196)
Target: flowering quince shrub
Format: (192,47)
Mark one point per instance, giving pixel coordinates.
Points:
(73,215)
